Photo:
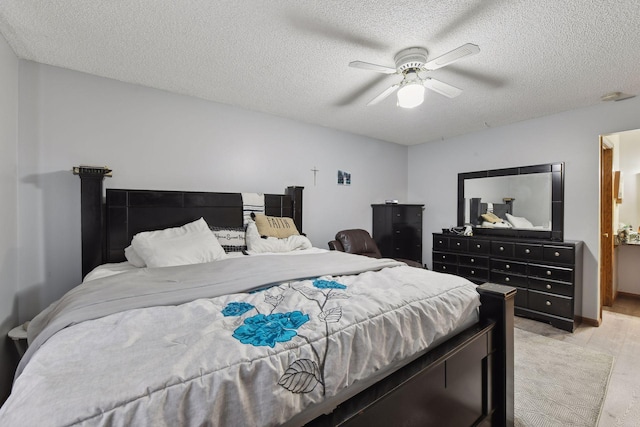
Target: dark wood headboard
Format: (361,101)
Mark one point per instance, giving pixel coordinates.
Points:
(132,211)
(109,225)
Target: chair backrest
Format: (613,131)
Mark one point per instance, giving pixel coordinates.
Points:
(357,241)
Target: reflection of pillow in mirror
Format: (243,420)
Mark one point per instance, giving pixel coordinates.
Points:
(519,222)
(491,217)
(503,224)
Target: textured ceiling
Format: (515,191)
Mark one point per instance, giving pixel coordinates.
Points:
(290,58)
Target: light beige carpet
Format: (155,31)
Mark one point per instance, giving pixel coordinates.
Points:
(557,383)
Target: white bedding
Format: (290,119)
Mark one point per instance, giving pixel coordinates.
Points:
(106,270)
(244,358)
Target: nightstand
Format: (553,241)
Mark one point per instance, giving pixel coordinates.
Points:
(19,337)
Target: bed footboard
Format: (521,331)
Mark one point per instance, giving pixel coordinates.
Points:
(467,380)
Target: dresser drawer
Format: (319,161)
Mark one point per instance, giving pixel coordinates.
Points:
(504,278)
(459,243)
(509,266)
(445,257)
(404,231)
(559,254)
(528,251)
(445,268)
(476,273)
(550,304)
(503,249)
(473,261)
(554,273)
(440,242)
(551,287)
(477,246)
(406,214)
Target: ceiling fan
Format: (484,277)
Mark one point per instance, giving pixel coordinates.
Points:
(412,64)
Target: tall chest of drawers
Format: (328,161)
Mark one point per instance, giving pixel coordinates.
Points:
(397,230)
(547,275)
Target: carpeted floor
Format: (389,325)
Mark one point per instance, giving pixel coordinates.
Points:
(558,383)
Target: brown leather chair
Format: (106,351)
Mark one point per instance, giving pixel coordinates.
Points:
(360,242)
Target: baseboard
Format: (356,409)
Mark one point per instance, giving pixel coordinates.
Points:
(627,295)
(589,321)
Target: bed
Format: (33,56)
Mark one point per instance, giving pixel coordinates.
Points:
(312,338)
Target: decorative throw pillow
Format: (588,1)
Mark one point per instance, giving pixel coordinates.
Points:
(192,243)
(275,226)
(232,239)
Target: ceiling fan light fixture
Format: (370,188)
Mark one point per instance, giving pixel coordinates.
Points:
(411,95)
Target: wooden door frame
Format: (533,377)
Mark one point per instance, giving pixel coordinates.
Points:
(606,226)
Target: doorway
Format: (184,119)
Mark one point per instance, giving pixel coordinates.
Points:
(619,207)
(607,296)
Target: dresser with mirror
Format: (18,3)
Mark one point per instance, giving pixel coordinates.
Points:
(514,220)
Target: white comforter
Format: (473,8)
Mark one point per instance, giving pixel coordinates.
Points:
(246,358)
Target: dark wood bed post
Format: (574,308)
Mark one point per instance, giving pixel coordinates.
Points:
(91,211)
(497,306)
(296,197)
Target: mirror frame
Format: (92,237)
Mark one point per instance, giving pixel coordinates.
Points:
(557,201)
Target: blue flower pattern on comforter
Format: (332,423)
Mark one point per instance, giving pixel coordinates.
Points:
(269,329)
(304,374)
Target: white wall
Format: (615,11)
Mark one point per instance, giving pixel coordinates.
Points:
(8,211)
(571,137)
(157,140)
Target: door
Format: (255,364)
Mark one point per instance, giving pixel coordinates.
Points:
(606,225)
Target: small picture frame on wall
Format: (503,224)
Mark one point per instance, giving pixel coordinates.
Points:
(344,178)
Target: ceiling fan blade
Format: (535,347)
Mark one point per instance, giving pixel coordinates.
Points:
(442,88)
(372,67)
(449,57)
(383,95)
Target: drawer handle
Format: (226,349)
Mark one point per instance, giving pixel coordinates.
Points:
(444,257)
(473,260)
(397,231)
(478,246)
(548,286)
(527,251)
(458,243)
(501,248)
(473,272)
(440,242)
(507,266)
(506,279)
(548,272)
(548,303)
(556,254)
(444,267)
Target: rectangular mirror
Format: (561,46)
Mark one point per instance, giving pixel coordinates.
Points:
(526,201)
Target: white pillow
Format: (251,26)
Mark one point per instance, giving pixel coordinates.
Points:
(519,222)
(132,256)
(192,243)
(257,244)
